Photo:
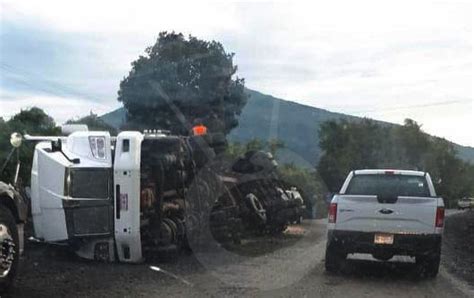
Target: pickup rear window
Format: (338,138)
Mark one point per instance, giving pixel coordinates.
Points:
(388,185)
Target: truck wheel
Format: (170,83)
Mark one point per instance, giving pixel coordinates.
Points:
(256,207)
(9,249)
(334,259)
(428,264)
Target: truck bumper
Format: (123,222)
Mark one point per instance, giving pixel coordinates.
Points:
(403,244)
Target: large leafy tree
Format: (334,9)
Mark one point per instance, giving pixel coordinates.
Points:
(33,121)
(413,141)
(180,81)
(347,146)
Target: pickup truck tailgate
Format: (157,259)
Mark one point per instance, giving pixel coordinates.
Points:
(406,215)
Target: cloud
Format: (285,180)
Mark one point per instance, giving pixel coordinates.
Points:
(34,57)
(60,108)
(347,56)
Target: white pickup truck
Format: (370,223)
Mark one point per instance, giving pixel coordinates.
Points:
(386,213)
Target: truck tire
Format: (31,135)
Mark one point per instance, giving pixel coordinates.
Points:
(257,207)
(9,249)
(334,259)
(429,264)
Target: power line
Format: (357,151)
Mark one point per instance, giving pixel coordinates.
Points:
(47,86)
(27,83)
(51,87)
(440,103)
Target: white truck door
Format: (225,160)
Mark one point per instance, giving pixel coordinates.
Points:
(72,200)
(47,194)
(127,196)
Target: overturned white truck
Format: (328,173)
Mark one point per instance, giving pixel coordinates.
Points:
(115,198)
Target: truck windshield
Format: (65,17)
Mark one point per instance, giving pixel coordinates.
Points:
(388,185)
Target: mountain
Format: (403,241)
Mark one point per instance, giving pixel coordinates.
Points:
(115,118)
(266,117)
(465,152)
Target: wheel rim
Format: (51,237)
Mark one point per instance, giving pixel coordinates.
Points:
(7,251)
(257,207)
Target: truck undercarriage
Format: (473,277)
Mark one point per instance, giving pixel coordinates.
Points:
(154,192)
(191,196)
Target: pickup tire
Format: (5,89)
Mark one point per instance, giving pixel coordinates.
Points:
(428,265)
(9,247)
(335,258)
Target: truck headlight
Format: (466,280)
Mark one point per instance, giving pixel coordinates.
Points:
(16,139)
(98,147)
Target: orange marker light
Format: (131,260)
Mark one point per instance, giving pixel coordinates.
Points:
(199,130)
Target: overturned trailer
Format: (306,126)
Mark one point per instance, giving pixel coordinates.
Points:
(119,198)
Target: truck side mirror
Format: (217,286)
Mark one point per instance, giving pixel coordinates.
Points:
(56,146)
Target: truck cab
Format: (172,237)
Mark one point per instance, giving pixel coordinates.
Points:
(112,198)
(72,195)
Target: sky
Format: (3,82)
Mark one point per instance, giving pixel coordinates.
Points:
(387,60)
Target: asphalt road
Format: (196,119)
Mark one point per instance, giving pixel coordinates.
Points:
(288,265)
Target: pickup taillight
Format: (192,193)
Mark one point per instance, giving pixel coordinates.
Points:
(332,213)
(439,222)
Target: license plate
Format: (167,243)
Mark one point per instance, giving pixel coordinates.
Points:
(383,239)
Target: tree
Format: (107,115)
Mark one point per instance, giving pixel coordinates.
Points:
(255,145)
(347,146)
(94,122)
(33,121)
(367,144)
(180,81)
(274,145)
(234,150)
(454,177)
(309,184)
(413,141)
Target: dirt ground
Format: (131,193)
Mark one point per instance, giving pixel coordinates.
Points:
(282,266)
(459,245)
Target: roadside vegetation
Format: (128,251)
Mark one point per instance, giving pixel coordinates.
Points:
(349,145)
(33,121)
(36,122)
(94,122)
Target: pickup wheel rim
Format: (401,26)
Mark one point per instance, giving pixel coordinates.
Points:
(7,250)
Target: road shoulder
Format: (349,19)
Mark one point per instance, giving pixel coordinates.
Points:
(458,250)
